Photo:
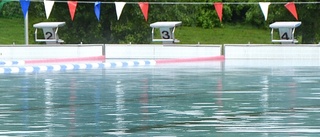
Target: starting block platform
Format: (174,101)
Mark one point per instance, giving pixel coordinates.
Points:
(50,32)
(286,32)
(167,30)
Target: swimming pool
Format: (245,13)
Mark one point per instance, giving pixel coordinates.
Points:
(230,98)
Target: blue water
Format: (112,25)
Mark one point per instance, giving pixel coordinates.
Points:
(196,99)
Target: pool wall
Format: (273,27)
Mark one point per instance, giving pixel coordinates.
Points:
(111,51)
(143,51)
(157,51)
(271,51)
(23,52)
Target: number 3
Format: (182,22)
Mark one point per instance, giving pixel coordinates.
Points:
(165,35)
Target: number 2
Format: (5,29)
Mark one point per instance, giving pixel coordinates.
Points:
(50,35)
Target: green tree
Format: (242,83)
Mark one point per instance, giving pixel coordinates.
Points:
(10,9)
(131,27)
(310,30)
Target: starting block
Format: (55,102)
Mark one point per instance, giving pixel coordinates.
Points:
(286,31)
(166,31)
(50,32)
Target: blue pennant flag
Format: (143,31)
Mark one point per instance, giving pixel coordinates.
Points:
(97,9)
(25,6)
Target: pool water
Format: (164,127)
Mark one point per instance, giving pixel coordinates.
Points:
(190,99)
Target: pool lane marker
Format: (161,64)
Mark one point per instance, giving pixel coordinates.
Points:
(189,60)
(80,66)
(57,60)
(89,66)
(11,63)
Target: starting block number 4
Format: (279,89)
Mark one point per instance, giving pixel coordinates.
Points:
(285,33)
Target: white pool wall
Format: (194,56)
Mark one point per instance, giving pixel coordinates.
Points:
(272,51)
(47,51)
(137,51)
(159,51)
(111,51)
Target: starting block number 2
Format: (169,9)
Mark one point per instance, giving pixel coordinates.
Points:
(49,33)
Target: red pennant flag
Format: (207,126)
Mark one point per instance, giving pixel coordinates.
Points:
(292,8)
(72,8)
(218,6)
(144,6)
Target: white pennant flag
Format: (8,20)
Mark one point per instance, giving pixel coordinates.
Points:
(264,7)
(48,7)
(119,8)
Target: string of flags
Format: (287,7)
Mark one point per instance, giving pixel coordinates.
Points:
(144,6)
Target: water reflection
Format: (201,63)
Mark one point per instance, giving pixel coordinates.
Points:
(195,100)
(120,123)
(48,97)
(72,107)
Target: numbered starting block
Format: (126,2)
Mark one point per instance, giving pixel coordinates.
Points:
(50,32)
(286,32)
(166,31)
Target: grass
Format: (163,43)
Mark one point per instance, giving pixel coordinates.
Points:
(12,31)
(227,35)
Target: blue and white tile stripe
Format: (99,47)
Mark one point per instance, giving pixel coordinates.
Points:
(10,63)
(83,66)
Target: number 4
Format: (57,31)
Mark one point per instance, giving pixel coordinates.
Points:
(285,36)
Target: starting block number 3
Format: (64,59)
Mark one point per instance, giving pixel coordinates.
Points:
(166,33)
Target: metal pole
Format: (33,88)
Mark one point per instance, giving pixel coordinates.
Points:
(26,34)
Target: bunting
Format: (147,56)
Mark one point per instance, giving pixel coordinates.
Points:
(219,6)
(48,7)
(144,6)
(119,8)
(97,9)
(264,6)
(292,8)
(72,8)
(25,6)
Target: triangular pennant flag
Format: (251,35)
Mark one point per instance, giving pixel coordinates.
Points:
(25,6)
(3,2)
(48,7)
(219,6)
(119,8)
(72,8)
(144,6)
(292,8)
(97,9)
(264,7)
